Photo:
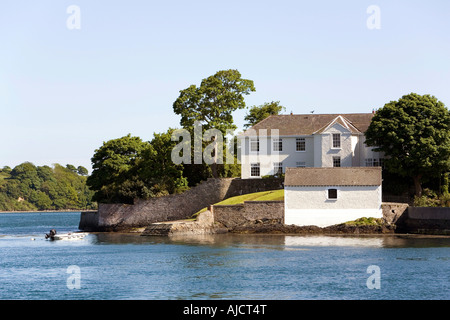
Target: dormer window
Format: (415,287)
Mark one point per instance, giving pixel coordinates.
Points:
(336,140)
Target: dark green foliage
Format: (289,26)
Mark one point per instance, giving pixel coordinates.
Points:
(196,173)
(414,134)
(213,102)
(211,105)
(28,187)
(259,113)
(128,168)
(113,164)
(82,171)
(157,165)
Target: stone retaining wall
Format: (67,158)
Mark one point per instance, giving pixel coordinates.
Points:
(115,217)
(231,216)
(426,220)
(393,212)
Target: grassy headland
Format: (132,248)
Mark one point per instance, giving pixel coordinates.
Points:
(273,195)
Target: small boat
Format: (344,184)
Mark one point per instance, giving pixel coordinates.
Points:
(70,236)
(65,236)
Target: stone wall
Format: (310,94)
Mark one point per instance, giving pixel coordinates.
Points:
(231,216)
(115,217)
(204,224)
(393,212)
(426,220)
(88,221)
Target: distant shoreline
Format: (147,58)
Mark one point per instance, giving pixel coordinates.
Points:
(44,211)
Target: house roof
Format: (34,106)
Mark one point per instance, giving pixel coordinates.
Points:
(308,124)
(344,176)
(341,121)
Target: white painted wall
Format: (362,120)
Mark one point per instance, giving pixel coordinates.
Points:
(356,159)
(266,156)
(310,205)
(318,150)
(349,197)
(345,151)
(318,153)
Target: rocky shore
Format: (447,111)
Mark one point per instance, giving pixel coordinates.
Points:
(206,225)
(274,227)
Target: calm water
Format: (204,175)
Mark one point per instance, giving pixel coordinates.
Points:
(124,266)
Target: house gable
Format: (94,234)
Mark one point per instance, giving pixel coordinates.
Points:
(341,124)
(327,196)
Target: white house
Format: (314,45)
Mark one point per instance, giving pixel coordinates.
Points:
(306,140)
(328,196)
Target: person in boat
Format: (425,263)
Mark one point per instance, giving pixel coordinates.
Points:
(51,234)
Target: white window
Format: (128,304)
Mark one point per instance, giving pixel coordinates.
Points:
(277,168)
(255,170)
(336,162)
(332,194)
(336,140)
(374,162)
(300,144)
(277,144)
(254,145)
(300,164)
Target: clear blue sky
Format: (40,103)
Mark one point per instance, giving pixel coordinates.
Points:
(63,92)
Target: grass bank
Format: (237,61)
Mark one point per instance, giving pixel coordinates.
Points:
(274,195)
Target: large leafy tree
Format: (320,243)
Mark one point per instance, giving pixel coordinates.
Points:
(113,164)
(128,168)
(213,102)
(259,113)
(157,166)
(414,134)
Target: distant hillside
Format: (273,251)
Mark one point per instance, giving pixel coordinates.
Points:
(28,187)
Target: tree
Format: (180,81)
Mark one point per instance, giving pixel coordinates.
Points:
(27,175)
(28,187)
(41,200)
(6,169)
(259,113)
(82,171)
(71,167)
(213,102)
(414,134)
(113,164)
(159,164)
(155,174)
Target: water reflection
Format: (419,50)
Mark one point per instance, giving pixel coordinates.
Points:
(331,241)
(276,242)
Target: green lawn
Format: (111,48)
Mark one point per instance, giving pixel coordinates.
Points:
(273,195)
